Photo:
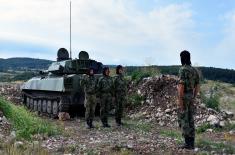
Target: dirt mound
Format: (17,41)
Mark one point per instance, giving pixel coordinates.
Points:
(160,103)
(11,92)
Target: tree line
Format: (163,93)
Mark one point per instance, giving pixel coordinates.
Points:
(208,73)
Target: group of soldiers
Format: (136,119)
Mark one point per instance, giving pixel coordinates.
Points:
(107,87)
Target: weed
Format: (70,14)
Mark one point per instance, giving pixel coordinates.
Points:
(217,146)
(134,100)
(211,102)
(25,123)
(172,134)
(138,126)
(203,128)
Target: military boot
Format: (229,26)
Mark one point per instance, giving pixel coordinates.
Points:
(88,124)
(119,122)
(186,145)
(191,141)
(91,124)
(105,123)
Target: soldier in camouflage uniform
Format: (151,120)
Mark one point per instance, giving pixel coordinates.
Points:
(120,90)
(187,89)
(105,90)
(89,84)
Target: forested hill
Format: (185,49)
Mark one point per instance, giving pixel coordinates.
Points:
(23,63)
(209,73)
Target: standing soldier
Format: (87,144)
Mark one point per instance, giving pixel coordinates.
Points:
(187,89)
(120,90)
(105,88)
(89,84)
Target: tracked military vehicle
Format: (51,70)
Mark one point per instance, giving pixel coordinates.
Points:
(58,88)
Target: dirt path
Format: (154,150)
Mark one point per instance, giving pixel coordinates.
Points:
(135,137)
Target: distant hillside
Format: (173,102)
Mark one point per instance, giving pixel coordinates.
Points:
(27,64)
(23,64)
(209,73)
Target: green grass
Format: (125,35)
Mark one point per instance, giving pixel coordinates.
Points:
(215,146)
(24,150)
(172,134)
(212,101)
(134,100)
(206,126)
(203,128)
(25,123)
(138,126)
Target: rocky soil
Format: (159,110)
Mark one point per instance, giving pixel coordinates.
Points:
(160,104)
(11,92)
(150,128)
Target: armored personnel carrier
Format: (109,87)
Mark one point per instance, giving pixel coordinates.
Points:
(58,88)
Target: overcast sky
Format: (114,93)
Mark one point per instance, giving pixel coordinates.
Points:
(129,32)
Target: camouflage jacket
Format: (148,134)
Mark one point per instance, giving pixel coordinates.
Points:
(89,83)
(120,84)
(189,77)
(105,85)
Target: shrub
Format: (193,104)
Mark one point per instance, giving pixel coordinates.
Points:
(211,102)
(144,72)
(134,100)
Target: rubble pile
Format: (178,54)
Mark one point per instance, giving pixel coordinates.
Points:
(11,92)
(160,104)
(4,127)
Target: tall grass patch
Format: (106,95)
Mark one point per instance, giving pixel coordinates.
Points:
(26,124)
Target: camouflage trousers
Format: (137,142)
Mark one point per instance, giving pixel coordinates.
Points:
(120,100)
(90,105)
(105,102)
(186,118)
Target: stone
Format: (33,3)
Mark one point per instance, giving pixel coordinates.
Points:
(213,120)
(1,114)
(4,119)
(18,144)
(167,110)
(229,114)
(209,130)
(161,123)
(222,123)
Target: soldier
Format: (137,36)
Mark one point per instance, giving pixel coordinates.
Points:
(188,88)
(120,90)
(89,84)
(105,88)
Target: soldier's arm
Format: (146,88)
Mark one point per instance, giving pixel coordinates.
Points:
(181,89)
(197,85)
(180,96)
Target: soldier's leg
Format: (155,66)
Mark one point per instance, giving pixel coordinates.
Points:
(92,112)
(93,107)
(191,125)
(107,108)
(184,123)
(87,106)
(119,109)
(88,111)
(102,108)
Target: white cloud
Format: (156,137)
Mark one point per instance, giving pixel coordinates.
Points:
(113,31)
(225,50)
